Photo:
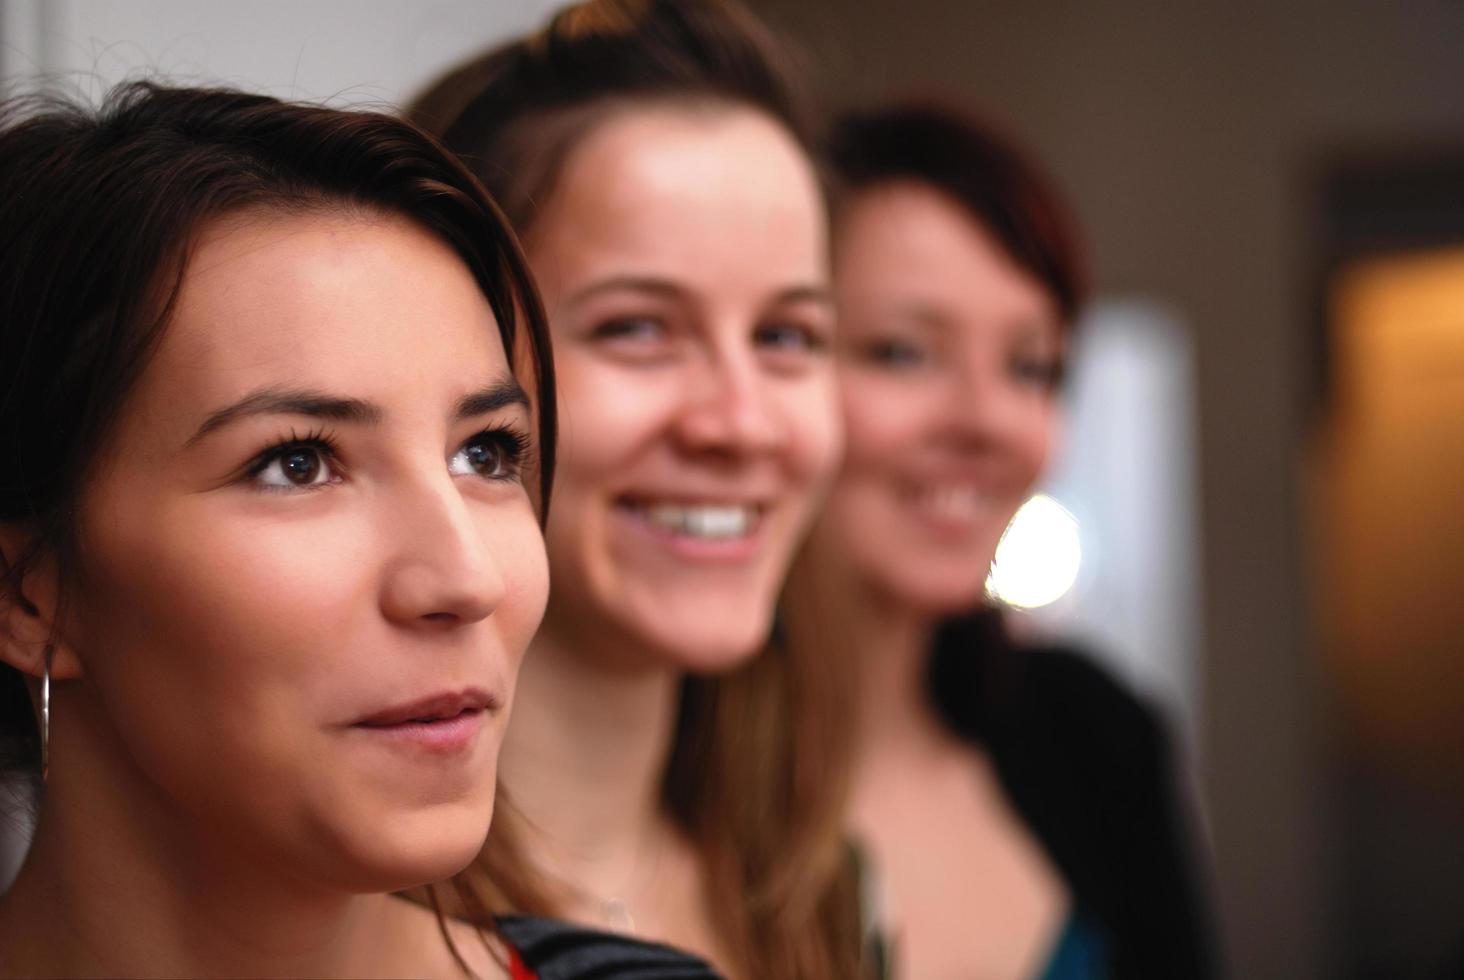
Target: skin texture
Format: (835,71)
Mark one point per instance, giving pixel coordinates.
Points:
(231,625)
(949,352)
(682,263)
(682,258)
(949,357)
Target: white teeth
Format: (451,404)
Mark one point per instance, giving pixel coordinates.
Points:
(716,522)
(955,502)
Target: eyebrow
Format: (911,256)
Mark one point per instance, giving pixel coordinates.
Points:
(670,290)
(276,400)
(821,295)
(927,316)
(491,398)
(638,284)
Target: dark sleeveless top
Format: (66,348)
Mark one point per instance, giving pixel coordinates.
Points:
(1089,768)
(1081,952)
(548,949)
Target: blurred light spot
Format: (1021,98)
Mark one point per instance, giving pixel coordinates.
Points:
(1038,556)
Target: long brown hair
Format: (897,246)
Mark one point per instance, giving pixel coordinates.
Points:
(758,771)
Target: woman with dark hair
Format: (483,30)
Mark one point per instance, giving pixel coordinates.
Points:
(667,780)
(276,441)
(1020,806)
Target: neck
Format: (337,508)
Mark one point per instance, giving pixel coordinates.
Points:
(119,882)
(891,641)
(584,761)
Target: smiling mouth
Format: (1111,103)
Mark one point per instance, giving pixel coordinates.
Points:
(702,522)
(954,503)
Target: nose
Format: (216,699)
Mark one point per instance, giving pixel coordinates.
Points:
(984,408)
(442,571)
(730,408)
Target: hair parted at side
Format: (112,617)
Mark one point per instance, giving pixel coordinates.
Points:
(99,210)
(758,772)
(976,165)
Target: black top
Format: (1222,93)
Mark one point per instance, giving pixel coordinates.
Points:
(557,950)
(1088,766)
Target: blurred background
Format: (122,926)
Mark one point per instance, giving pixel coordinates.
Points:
(1259,518)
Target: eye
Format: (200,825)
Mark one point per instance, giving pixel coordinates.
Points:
(893,352)
(637,340)
(790,337)
(298,464)
(495,454)
(632,329)
(1042,372)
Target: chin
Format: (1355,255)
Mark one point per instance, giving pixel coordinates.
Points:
(941,592)
(710,644)
(412,851)
(696,628)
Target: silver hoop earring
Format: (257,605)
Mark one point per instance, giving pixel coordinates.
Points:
(46,714)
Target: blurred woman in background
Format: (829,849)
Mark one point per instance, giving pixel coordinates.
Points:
(671,784)
(276,437)
(1019,805)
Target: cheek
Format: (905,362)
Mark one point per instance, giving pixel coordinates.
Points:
(817,428)
(883,423)
(218,644)
(518,548)
(238,610)
(608,415)
(1035,444)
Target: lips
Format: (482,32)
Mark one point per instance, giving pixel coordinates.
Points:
(701,520)
(955,502)
(437,708)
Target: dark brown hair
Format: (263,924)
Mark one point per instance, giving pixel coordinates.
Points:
(98,213)
(977,166)
(757,772)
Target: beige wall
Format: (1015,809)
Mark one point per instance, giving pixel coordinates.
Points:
(1190,134)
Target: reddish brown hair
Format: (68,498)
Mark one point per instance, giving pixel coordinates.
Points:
(977,166)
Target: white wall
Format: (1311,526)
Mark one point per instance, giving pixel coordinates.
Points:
(355,52)
(1126,470)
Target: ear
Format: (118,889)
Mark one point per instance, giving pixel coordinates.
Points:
(28,609)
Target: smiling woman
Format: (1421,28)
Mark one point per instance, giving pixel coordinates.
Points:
(275,444)
(1020,804)
(681,772)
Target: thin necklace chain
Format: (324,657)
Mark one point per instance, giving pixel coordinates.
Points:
(616,909)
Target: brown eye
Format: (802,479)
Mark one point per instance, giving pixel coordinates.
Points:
(301,467)
(493,455)
(792,338)
(894,353)
(294,466)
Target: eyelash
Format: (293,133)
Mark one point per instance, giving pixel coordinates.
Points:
(320,440)
(629,328)
(513,444)
(813,341)
(895,354)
